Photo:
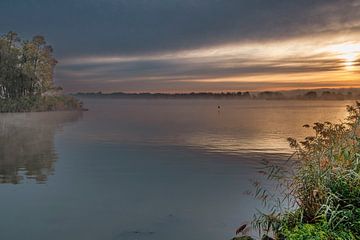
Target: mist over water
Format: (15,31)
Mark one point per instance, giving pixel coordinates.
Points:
(143,169)
(27,150)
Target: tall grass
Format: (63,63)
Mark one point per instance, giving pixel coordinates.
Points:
(319,188)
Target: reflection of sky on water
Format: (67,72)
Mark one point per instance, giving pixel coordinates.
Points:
(140,169)
(240,126)
(230,145)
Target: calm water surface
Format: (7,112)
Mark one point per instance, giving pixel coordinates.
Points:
(143,169)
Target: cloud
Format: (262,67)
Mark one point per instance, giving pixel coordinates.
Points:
(197,67)
(89,27)
(184,44)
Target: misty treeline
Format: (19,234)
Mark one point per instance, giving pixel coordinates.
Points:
(26,66)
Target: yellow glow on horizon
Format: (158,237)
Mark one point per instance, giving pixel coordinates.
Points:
(348,52)
(309,62)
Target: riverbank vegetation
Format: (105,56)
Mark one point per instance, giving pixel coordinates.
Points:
(320,190)
(26,76)
(40,104)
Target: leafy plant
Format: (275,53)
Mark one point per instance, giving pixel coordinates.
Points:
(319,188)
(40,104)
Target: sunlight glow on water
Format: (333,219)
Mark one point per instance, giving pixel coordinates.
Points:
(143,169)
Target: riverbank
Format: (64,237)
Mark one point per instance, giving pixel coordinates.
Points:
(320,190)
(41,104)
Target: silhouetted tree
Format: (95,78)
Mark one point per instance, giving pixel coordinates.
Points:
(310,95)
(270,95)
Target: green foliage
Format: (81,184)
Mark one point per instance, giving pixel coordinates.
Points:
(26,76)
(40,104)
(321,197)
(306,231)
(26,67)
(320,230)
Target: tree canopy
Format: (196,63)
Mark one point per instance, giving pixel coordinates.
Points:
(26,67)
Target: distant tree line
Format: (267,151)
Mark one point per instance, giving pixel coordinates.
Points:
(26,67)
(265,95)
(233,95)
(310,95)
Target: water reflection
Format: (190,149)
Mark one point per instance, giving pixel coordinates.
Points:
(241,126)
(140,169)
(27,149)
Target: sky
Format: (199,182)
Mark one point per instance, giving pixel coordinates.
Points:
(194,45)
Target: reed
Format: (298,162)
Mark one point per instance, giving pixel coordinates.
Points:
(318,190)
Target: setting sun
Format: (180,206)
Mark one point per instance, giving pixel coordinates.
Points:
(348,53)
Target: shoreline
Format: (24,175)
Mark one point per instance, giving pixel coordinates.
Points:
(41,104)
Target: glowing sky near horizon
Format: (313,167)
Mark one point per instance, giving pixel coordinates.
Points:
(198,45)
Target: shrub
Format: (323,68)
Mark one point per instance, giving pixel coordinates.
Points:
(321,196)
(40,104)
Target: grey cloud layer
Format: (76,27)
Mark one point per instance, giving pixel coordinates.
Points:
(151,75)
(144,27)
(83,27)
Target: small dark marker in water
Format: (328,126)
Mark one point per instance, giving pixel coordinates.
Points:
(218,107)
